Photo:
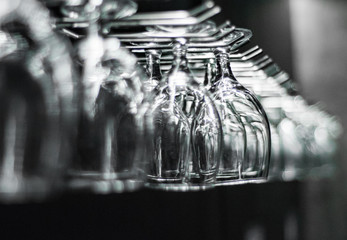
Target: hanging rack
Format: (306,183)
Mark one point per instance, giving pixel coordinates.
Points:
(168,22)
(164,33)
(222,31)
(178,14)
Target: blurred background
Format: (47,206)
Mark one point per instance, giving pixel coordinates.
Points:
(307,38)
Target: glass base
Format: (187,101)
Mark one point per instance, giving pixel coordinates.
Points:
(228,176)
(179,187)
(17,190)
(103,183)
(165,186)
(251,174)
(240,181)
(201,186)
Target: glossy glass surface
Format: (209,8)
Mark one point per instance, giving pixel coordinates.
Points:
(245,126)
(109,9)
(153,70)
(182,103)
(111,127)
(38,92)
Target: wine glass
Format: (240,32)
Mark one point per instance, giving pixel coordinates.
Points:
(210,72)
(119,120)
(117,127)
(111,126)
(246,129)
(272,103)
(153,70)
(186,105)
(38,93)
(109,9)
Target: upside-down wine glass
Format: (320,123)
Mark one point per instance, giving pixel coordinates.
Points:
(153,70)
(111,126)
(38,104)
(245,126)
(187,130)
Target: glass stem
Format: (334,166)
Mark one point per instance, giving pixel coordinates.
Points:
(153,66)
(223,68)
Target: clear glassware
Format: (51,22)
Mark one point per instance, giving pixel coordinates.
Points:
(38,93)
(205,27)
(325,136)
(116,161)
(234,132)
(153,70)
(111,124)
(308,139)
(210,73)
(272,104)
(109,9)
(291,133)
(168,165)
(299,118)
(245,126)
(188,128)
(90,52)
(120,134)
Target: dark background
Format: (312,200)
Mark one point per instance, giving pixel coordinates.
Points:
(307,38)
